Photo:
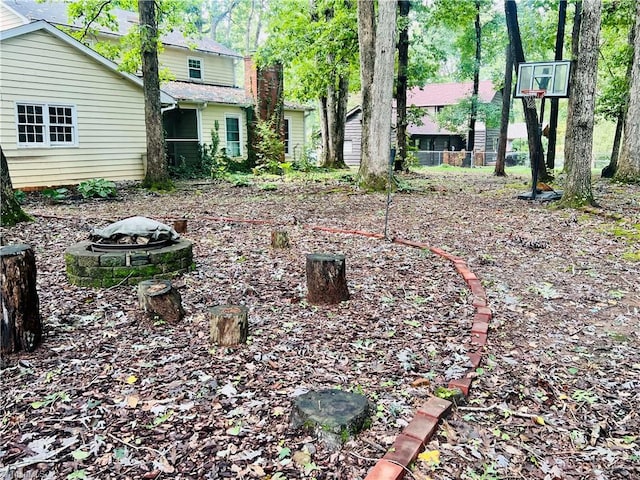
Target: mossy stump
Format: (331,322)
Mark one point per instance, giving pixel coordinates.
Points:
(334,416)
(326,279)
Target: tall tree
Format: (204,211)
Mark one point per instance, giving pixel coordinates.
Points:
(157,175)
(504,117)
(579,145)
(471,136)
(373,172)
(11,211)
(555,102)
(614,77)
(401,85)
(531,116)
(629,162)
(317,43)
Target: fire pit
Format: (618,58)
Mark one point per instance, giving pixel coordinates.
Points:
(127,252)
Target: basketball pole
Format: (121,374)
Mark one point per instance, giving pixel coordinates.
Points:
(534,168)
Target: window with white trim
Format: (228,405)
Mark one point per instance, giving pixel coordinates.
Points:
(287,136)
(195,68)
(232,127)
(46,125)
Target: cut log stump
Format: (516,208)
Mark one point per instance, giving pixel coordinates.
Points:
(280,239)
(20,325)
(160,300)
(180,226)
(229,324)
(326,279)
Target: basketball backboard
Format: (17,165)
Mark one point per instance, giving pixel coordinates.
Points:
(553,77)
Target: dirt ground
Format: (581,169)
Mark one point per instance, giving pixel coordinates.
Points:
(111,394)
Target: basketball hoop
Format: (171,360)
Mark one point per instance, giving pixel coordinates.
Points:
(530,96)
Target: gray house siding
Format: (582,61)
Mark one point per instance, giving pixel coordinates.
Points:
(353,137)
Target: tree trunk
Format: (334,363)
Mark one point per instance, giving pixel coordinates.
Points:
(610,170)
(157,171)
(160,300)
(20,325)
(575,35)
(401,86)
(11,212)
(555,102)
(228,324)
(504,118)
(326,279)
(373,174)
(579,151)
(471,136)
(323,113)
(336,113)
(629,161)
(366,42)
(531,116)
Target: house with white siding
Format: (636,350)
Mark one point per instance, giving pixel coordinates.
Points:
(205,91)
(67,114)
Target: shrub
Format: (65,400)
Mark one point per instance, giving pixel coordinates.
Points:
(20,196)
(55,195)
(270,150)
(97,187)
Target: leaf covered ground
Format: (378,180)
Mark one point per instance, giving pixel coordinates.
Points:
(112,394)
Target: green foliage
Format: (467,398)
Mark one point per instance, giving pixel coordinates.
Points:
(317,42)
(20,196)
(55,194)
(97,187)
(455,118)
(270,150)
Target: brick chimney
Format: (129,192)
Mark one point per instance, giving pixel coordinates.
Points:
(250,78)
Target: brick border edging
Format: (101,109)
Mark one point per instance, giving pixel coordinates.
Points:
(412,440)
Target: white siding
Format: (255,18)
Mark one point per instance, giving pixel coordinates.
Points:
(8,19)
(216,69)
(218,112)
(37,67)
(297,133)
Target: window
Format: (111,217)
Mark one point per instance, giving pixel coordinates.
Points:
(195,68)
(347,147)
(287,136)
(46,125)
(233,136)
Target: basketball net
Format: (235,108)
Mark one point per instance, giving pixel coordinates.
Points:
(530,97)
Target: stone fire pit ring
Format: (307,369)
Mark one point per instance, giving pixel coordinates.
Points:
(87,268)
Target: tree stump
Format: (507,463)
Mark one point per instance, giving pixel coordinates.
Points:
(180,226)
(334,416)
(160,300)
(20,325)
(229,324)
(326,279)
(280,239)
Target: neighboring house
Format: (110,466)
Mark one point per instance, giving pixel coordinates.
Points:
(66,113)
(429,139)
(205,85)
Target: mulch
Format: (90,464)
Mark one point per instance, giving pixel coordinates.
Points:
(112,394)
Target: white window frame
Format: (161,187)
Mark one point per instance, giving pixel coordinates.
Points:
(287,136)
(200,68)
(47,125)
(226,134)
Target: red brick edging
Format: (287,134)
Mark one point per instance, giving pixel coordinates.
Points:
(408,444)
